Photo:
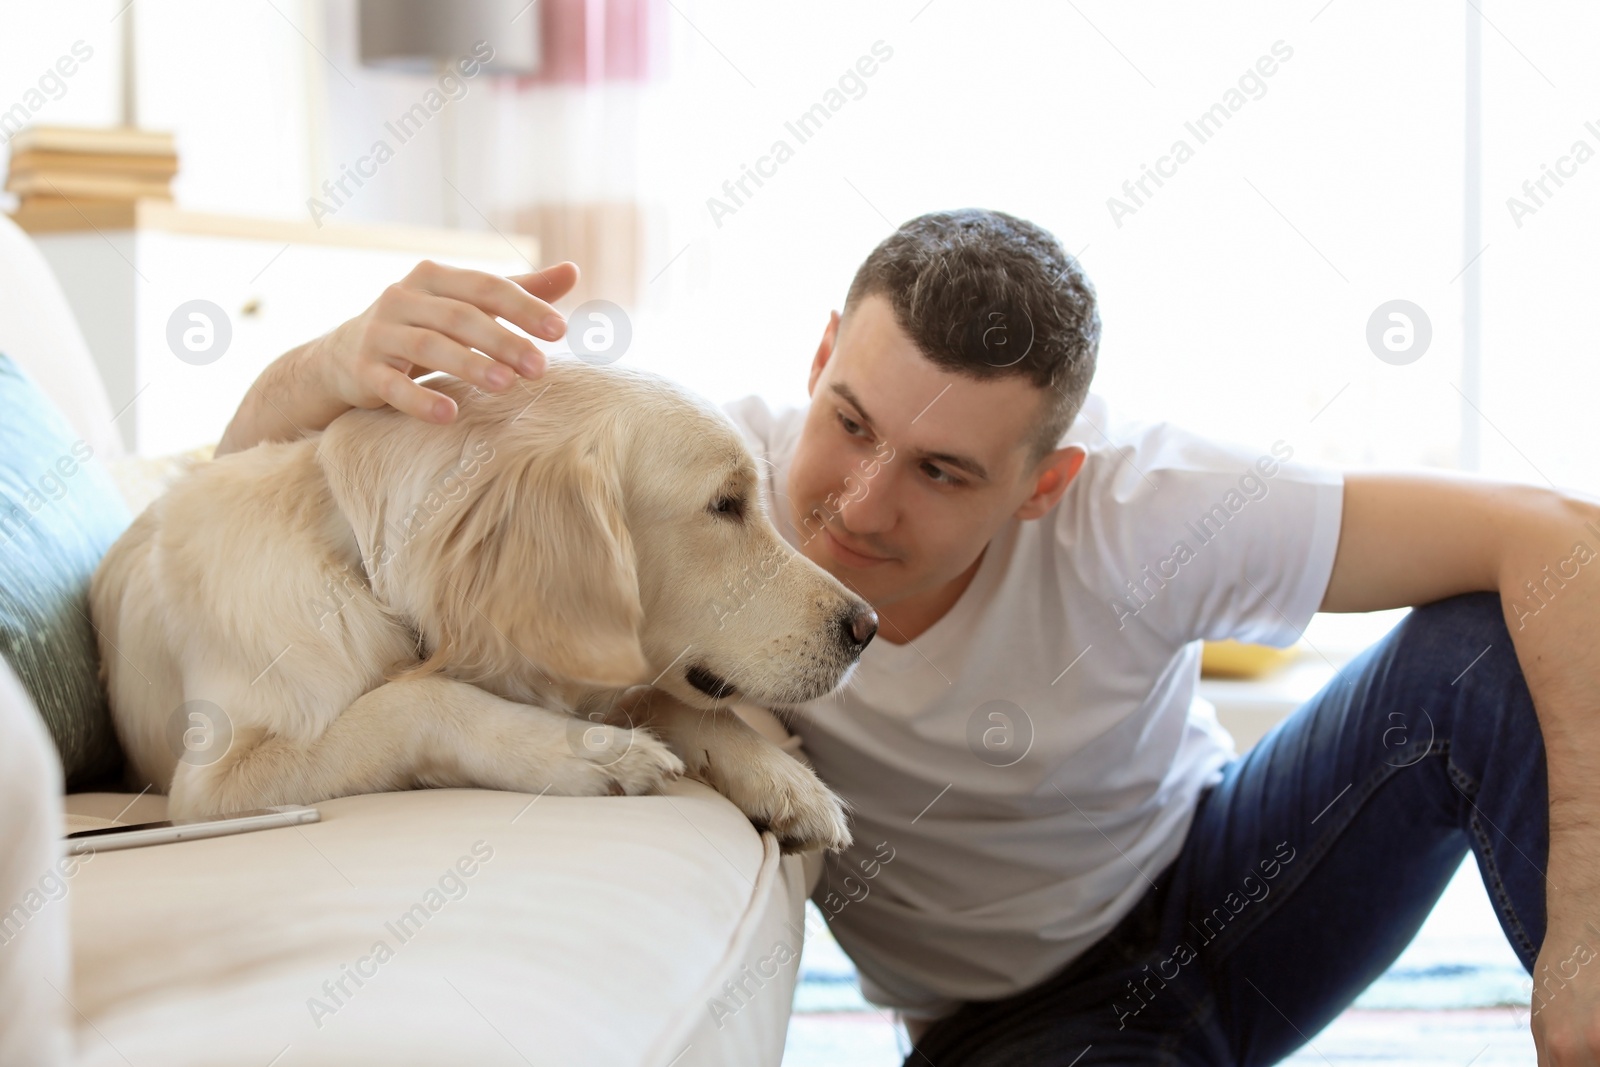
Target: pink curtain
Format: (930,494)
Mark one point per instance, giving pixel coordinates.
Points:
(565,147)
(589,41)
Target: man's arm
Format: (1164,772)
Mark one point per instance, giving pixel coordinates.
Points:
(1408,539)
(435,318)
(288,401)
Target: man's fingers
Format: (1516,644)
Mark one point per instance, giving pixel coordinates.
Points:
(429,351)
(474,328)
(495,295)
(400,392)
(552,283)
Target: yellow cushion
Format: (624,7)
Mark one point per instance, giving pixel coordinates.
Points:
(1235,659)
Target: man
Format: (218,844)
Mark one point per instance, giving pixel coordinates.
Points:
(1058,857)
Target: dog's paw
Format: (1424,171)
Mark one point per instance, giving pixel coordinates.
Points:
(781,794)
(635,762)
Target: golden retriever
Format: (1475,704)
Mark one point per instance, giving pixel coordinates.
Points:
(512,601)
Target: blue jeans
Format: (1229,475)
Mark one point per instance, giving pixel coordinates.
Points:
(1308,868)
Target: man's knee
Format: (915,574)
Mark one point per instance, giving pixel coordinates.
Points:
(1459,637)
(1459,657)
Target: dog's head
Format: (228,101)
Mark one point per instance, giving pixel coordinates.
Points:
(611,532)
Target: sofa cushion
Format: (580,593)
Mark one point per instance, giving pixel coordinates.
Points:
(443,926)
(59,512)
(33,887)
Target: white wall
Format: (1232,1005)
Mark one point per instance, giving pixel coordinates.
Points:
(231,79)
(1216,311)
(38,36)
(1540,280)
(1235,300)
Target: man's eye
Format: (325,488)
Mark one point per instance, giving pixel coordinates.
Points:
(850,426)
(939,475)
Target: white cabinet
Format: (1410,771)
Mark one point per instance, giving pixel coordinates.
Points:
(128,270)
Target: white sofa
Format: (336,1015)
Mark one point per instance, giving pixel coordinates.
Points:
(428,927)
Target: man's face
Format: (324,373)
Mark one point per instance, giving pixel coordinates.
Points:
(911,464)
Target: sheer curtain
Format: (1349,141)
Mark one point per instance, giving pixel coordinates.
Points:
(562,147)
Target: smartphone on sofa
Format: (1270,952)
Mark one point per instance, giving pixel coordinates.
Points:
(135,835)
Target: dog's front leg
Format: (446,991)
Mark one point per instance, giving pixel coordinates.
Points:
(771,787)
(427,732)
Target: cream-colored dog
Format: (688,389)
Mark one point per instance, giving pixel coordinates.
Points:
(513,601)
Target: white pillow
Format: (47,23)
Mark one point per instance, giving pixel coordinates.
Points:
(40,334)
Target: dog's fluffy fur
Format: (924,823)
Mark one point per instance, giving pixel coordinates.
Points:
(523,599)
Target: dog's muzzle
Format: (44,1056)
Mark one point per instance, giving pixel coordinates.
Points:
(857,628)
(710,684)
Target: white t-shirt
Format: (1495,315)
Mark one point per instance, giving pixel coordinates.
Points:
(1073,657)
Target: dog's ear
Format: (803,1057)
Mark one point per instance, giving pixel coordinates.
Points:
(541,553)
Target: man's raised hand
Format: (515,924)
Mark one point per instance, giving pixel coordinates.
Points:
(440,318)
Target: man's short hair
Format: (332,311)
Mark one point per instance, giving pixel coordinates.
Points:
(989,296)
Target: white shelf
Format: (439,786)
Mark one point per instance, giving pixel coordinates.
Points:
(129,276)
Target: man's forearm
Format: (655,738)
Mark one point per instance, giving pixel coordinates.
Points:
(288,401)
(1550,591)
(1411,538)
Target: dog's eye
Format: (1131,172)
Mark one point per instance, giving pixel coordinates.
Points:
(731,507)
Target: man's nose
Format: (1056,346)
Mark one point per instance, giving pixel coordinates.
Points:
(867,510)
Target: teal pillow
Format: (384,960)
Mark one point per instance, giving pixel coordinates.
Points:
(59,512)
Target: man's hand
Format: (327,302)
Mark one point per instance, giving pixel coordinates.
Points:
(1565,1005)
(432,320)
(436,318)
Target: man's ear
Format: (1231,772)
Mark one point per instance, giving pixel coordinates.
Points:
(824,350)
(1051,478)
(540,558)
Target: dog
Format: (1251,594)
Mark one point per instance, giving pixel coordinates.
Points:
(563,590)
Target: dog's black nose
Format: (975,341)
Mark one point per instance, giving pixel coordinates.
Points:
(858,627)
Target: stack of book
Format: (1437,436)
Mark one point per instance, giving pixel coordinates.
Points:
(56,167)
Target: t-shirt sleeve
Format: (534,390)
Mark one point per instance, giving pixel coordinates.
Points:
(754,418)
(771,434)
(1196,538)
